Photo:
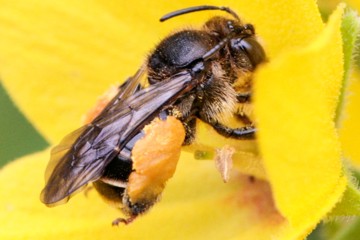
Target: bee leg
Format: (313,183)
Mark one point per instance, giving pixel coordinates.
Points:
(190,130)
(247,132)
(243,98)
(126,221)
(245,119)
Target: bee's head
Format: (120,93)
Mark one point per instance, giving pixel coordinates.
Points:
(243,45)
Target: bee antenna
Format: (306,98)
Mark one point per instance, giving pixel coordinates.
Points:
(196,9)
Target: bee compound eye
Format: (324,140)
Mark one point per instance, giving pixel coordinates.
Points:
(253,49)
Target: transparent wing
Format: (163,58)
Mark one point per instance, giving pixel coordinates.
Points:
(127,89)
(82,156)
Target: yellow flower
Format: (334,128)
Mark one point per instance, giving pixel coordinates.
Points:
(57,57)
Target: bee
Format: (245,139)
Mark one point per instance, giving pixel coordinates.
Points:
(192,74)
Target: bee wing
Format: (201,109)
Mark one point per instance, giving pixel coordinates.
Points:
(82,156)
(127,89)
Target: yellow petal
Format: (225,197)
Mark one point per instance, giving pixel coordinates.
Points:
(295,100)
(196,204)
(48,62)
(283,24)
(354,3)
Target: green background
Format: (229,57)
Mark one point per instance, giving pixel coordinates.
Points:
(17,136)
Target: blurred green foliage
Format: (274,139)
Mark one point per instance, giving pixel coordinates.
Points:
(17,136)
